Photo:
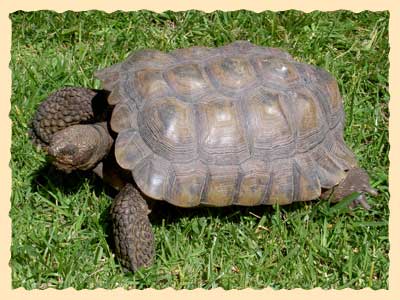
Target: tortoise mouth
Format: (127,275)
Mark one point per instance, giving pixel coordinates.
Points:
(68,157)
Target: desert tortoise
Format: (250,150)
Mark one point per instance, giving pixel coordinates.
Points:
(235,125)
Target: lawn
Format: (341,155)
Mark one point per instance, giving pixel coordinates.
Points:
(60,224)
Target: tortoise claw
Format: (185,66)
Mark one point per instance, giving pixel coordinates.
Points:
(371,191)
(360,200)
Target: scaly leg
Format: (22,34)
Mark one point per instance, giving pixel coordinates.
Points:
(134,239)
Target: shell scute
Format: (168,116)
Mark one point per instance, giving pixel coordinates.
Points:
(276,70)
(187,183)
(231,72)
(254,183)
(222,139)
(187,79)
(272,133)
(130,149)
(221,185)
(152,176)
(167,126)
(148,83)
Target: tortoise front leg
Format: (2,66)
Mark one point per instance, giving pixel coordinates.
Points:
(356,180)
(66,107)
(133,235)
(58,128)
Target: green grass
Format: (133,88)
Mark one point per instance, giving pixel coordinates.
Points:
(60,224)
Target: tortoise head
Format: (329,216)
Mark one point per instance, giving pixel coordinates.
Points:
(80,147)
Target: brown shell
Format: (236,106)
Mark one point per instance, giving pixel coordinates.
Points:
(239,124)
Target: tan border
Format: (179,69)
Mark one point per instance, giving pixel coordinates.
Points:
(204,5)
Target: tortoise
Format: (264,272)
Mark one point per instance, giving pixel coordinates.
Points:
(240,124)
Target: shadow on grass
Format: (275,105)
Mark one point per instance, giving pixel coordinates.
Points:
(68,184)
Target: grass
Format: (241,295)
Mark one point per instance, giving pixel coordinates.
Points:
(60,224)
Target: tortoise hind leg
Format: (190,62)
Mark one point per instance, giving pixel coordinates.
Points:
(133,235)
(356,180)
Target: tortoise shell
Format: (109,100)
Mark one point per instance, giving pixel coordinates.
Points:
(239,124)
